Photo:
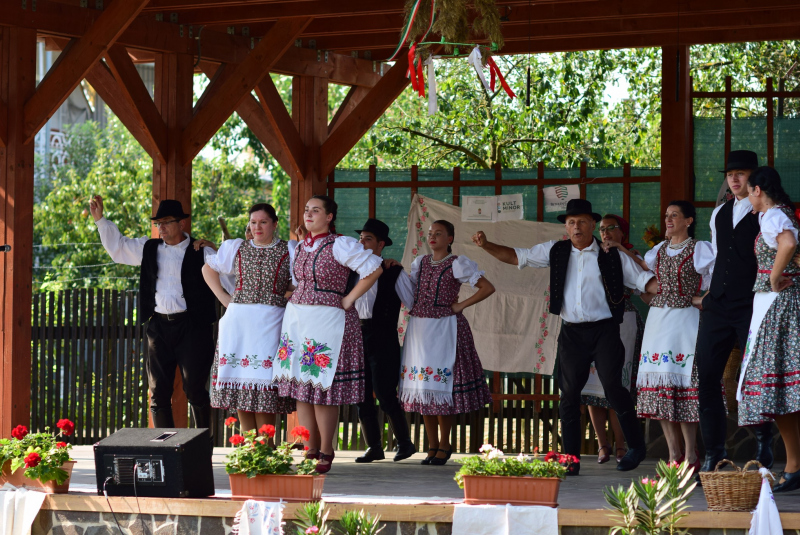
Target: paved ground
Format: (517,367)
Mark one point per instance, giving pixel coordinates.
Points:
(408,481)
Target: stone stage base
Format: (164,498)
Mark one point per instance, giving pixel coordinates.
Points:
(411,499)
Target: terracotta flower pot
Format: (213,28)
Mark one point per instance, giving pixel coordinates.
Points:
(500,490)
(19,480)
(287,487)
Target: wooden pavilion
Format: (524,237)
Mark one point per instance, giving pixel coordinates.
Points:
(236,43)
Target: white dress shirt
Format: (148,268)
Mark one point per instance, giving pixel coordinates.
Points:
(740,209)
(402,286)
(584,291)
(123,250)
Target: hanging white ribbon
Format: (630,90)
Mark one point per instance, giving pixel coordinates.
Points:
(474,59)
(433,102)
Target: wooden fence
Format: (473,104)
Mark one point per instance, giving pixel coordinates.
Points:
(88,355)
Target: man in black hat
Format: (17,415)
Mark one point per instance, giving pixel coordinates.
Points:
(178,303)
(586,290)
(727,308)
(379,310)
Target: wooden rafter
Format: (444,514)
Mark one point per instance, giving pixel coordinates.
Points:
(361,119)
(282,124)
(3,123)
(133,90)
(350,102)
(76,62)
(213,114)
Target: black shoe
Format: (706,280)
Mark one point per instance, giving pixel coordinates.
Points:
(427,460)
(763,434)
(713,427)
(791,481)
(405,450)
(438,461)
(632,459)
(372,454)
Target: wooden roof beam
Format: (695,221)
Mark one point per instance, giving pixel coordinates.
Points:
(350,102)
(133,90)
(207,119)
(282,124)
(76,62)
(3,124)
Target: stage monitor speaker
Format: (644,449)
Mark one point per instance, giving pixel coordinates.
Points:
(156,463)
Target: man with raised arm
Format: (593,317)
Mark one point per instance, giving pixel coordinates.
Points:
(587,280)
(176,300)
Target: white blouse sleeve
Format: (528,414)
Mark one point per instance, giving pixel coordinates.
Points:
(704,259)
(414,275)
(651,256)
(292,244)
(349,252)
(773,222)
(405,289)
(466,271)
(223,261)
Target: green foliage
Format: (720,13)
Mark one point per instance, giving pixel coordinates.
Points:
(491,462)
(359,523)
(653,505)
(44,444)
(254,457)
(312,519)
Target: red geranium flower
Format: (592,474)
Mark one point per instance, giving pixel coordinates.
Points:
(301,432)
(230,421)
(236,440)
(60,445)
(268,430)
(66,426)
(551,456)
(19,432)
(33,459)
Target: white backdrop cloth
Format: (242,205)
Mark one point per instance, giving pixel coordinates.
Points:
(513,330)
(504,520)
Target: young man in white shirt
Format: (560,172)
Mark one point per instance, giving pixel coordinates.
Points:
(178,303)
(586,290)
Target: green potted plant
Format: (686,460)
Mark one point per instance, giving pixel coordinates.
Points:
(38,461)
(258,470)
(493,478)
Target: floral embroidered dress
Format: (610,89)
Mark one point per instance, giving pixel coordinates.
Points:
(667,381)
(321,355)
(441,371)
(631,332)
(249,330)
(769,384)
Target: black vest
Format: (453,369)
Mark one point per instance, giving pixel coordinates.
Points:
(736,266)
(200,300)
(610,270)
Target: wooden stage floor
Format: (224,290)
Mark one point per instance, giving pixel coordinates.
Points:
(408,482)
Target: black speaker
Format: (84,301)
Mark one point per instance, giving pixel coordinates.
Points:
(156,463)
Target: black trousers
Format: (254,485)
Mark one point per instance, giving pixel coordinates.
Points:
(381,373)
(579,344)
(178,343)
(722,322)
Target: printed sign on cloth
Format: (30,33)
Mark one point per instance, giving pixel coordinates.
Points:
(479,208)
(556,197)
(509,207)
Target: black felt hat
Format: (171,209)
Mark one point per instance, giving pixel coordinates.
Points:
(741,159)
(169,208)
(579,207)
(379,229)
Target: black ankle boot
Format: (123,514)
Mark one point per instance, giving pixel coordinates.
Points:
(374,439)
(763,434)
(162,417)
(202,416)
(634,436)
(405,448)
(714,428)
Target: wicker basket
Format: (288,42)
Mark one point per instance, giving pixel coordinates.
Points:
(732,491)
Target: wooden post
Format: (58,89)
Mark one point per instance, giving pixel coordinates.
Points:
(677,180)
(173,180)
(17,85)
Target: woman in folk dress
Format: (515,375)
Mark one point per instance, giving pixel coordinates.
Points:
(614,233)
(320,360)
(667,380)
(250,329)
(441,373)
(769,384)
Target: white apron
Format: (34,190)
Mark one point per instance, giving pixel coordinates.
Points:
(668,346)
(429,353)
(248,340)
(627,332)
(311,340)
(761,303)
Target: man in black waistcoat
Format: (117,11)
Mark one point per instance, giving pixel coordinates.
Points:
(379,310)
(587,290)
(727,308)
(178,303)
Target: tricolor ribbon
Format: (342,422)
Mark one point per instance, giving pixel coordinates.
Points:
(495,71)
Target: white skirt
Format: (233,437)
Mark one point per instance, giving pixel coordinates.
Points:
(310,343)
(248,340)
(668,346)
